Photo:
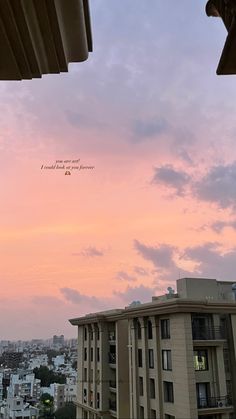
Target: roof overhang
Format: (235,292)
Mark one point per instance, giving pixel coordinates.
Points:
(226,9)
(42,36)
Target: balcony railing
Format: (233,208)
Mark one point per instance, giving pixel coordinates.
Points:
(112,405)
(112,358)
(112,383)
(214,402)
(208,333)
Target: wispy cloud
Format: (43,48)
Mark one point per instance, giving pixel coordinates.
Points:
(140,293)
(218,226)
(124,276)
(212,262)
(146,129)
(90,251)
(141,271)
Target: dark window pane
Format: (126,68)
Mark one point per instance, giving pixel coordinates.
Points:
(140,358)
(150,358)
(149,329)
(165,329)
(168,392)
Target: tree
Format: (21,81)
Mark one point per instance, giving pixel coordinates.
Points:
(46,410)
(66,412)
(48,377)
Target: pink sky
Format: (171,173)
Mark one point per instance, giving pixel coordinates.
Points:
(149,113)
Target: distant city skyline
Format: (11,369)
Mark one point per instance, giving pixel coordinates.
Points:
(149,113)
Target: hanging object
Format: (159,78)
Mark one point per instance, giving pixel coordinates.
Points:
(42,36)
(226,9)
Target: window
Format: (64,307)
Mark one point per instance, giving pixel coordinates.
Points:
(165,329)
(168,392)
(203,393)
(85,354)
(139,330)
(85,333)
(141,411)
(166,360)
(85,375)
(229,387)
(98,354)
(98,334)
(200,360)
(149,329)
(85,395)
(150,358)
(170,417)
(152,388)
(140,358)
(226,359)
(153,414)
(141,386)
(91,354)
(112,335)
(98,400)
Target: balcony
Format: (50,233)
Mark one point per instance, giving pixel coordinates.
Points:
(214,402)
(112,384)
(208,333)
(112,358)
(112,405)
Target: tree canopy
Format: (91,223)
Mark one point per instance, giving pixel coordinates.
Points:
(48,377)
(66,412)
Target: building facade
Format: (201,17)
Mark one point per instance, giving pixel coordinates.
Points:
(174,359)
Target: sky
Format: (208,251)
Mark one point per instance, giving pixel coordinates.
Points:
(147,113)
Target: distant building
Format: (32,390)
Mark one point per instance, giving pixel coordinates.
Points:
(12,360)
(38,361)
(25,386)
(15,408)
(58,341)
(58,361)
(172,358)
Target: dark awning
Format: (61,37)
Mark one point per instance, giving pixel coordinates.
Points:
(226,9)
(42,36)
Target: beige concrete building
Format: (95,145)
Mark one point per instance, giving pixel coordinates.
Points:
(172,358)
(103,365)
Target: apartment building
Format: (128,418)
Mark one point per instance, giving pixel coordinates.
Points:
(103,366)
(172,358)
(24,385)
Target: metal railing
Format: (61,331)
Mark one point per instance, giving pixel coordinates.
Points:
(112,383)
(112,358)
(213,402)
(208,333)
(112,405)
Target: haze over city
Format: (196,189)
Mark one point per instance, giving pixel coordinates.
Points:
(149,113)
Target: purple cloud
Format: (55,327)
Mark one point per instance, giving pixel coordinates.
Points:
(168,176)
